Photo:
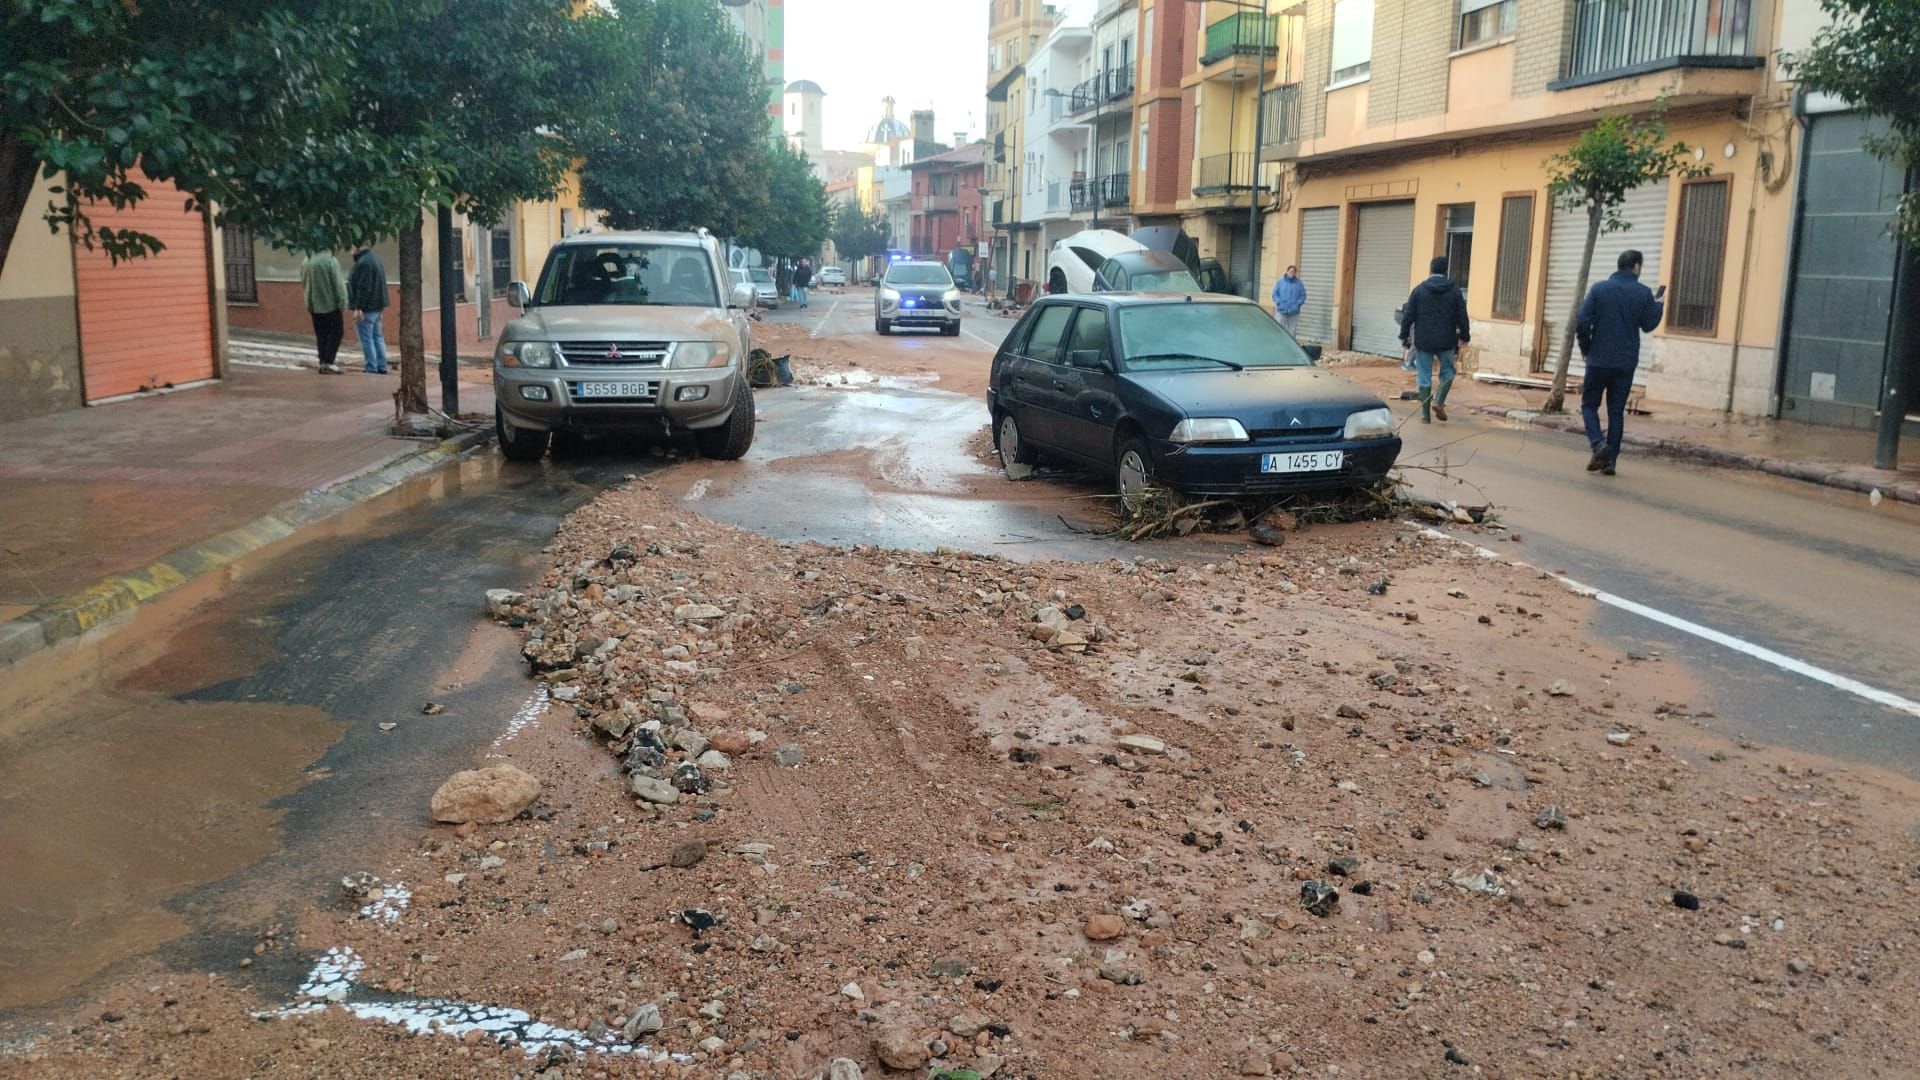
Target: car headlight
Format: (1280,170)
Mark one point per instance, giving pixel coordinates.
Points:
(1220,429)
(889,296)
(1369,424)
(526,354)
(702,354)
(951,296)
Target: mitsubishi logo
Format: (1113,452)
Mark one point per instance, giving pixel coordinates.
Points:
(1296,422)
(613,352)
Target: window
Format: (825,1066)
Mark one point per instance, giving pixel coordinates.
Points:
(1186,336)
(1048,329)
(1089,332)
(501,264)
(460,264)
(1143,146)
(632,274)
(242,287)
(1352,40)
(1701,243)
(1482,21)
(1516,245)
(1457,241)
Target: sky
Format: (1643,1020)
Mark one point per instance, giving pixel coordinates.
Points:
(924,53)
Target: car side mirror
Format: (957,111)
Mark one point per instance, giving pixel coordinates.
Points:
(1092,359)
(519,295)
(742,296)
(1312,351)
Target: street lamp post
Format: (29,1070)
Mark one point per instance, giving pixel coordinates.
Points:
(1259,121)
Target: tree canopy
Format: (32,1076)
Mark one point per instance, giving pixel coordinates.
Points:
(797,217)
(858,234)
(685,144)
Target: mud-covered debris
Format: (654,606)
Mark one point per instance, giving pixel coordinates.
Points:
(899,1047)
(1483,883)
(697,613)
(699,920)
(790,755)
(1550,817)
(688,854)
(432,708)
(1377,587)
(1686,900)
(1141,744)
(653,789)
(645,1021)
(502,602)
(486,796)
(1561,688)
(1343,866)
(690,779)
(1319,898)
(1266,535)
(1349,711)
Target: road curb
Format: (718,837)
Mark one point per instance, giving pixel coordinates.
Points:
(77,613)
(1845,477)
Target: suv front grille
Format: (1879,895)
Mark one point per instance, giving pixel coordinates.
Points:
(579,353)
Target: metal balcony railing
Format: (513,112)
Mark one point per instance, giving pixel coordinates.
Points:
(1081,194)
(1120,83)
(1241,34)
(939,204)
(1612,38)
(1000,146)
(1222,173)
(1116,190)
(1280,117)
(1088,94)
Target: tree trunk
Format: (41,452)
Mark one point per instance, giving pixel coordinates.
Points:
(413,346)
(17,170)
(1557,397)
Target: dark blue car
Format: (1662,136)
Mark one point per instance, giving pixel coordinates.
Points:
(1203,394)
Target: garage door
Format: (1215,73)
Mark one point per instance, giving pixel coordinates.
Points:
(1646,210)
(1319,259)
(1239,260)
(1382,254)
(146,324)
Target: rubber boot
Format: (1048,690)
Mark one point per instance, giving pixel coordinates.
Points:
(1440,399)
(1426,405)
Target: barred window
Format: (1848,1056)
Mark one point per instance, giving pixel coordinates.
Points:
(1510,269)
(1700,256)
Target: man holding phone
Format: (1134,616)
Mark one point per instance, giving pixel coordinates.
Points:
(1612,318)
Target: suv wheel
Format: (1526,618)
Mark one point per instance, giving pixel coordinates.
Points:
(729,441)
(519,444)
(951,330)
(881,326)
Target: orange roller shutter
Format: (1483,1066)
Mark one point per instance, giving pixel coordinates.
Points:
(146,323)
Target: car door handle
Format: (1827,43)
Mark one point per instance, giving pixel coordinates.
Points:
(1059,384)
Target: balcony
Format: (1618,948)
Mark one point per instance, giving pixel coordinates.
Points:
(1615,39)
(1082,194)
(1241,34)
(1116,190)
(1280,116)
(1056,197)
(999,211)
(1088,94)
(1000,146)
(1120,83)
(1223,173)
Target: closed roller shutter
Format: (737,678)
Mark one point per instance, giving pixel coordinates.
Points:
(1239,260)
(1382,253)
(146,324)
(1319,258)
(1646,210)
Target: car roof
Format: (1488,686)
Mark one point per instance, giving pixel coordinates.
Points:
(1147,260)
(916,262)
(1133,299)
(638,236)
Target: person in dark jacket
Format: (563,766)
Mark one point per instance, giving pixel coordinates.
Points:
(802,277)
(367,296)
(1612,318)
(1435,323)
(1057,281)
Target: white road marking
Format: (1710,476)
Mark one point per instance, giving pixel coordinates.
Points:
(1761,653)
(991,345)
(527,714)
(824,319)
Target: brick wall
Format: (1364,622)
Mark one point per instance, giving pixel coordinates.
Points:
(1411,40)
(1189,136)
(1541,36)
(1319,68)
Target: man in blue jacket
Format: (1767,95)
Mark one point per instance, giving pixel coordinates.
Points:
(1612,318)
(1434,321)
(1289,296)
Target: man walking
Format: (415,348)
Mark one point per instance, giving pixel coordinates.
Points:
(326,294)
(1612,318)
(802,277)
(1435,323)
(1289,296)
(367,296)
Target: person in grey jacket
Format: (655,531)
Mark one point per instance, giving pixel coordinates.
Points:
(1435,323)
(1612,318)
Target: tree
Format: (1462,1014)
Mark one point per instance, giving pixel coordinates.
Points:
(797,218)
(685,146)
(1595,174)
(243,107)
(485,98)
(858,234)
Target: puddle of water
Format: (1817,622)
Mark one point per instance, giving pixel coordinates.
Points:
(115,806)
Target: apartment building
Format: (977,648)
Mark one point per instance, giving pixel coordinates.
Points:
(1417,128)
(1162,112)
(945,202)
(1016,28)
(1100,109)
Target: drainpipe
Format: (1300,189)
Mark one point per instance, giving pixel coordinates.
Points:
(1900,346)
(1774,408)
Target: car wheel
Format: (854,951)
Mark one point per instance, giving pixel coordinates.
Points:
(519,444)
(952,330)
(881,326)
(729,441)
(1013,449)
(1133,470)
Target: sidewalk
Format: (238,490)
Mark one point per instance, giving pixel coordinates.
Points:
(103,508)
(1834,457)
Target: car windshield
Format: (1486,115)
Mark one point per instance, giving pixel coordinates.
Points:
(670,275)
(760,275)
(1165,281)
(918,274)
(1183,335)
